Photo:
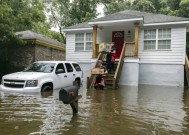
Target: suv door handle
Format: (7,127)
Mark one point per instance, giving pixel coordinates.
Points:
(65,76)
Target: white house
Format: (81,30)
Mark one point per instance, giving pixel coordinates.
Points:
(159,43)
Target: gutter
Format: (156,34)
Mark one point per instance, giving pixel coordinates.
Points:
(39,42)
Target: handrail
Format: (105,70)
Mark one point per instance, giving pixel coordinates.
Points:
(91,78)
(120,65)
(187,61)
(187,68)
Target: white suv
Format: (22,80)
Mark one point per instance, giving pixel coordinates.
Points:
(43,76)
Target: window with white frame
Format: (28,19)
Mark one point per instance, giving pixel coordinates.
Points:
(157,39)
(83,42)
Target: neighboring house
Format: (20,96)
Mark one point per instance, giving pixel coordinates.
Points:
(37,48)
(158,42)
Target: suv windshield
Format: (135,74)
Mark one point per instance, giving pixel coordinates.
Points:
(40,67)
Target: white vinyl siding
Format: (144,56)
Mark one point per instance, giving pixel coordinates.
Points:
(175,55)
(157,39)
(71,54)
(83,42)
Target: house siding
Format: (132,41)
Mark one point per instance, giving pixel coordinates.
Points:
(175,56)
(158,74)
(71,55)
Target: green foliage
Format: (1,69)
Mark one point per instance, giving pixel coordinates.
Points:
(64,13)
(7,34)
(168,7)
(20,15)
(143,5)
(117,6)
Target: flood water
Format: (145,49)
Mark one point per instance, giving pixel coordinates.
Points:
(143,110)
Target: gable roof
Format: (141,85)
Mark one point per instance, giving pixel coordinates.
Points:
(148,18)
(30,35)
(80,25)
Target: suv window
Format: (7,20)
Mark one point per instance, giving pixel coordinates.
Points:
(69,67)
(76,66)
(60,66)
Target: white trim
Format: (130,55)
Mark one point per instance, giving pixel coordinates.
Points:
(131,60)
(166,23)
(115,21)
(67,30)
(162,63)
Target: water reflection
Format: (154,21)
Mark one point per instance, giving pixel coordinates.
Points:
(139,110)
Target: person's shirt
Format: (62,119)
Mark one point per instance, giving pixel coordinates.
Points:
(108,56)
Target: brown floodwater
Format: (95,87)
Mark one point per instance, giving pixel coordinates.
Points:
(143,110)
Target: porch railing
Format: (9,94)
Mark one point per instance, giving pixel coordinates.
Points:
(187,68)
(92,77)
(119,67)
(129,49)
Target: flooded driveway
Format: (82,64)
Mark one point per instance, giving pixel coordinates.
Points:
(146,110)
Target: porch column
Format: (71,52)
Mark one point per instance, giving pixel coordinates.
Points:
(136,39)
(94,41)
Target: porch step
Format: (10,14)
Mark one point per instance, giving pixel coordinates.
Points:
(109,86)
(110,75)
(115,63)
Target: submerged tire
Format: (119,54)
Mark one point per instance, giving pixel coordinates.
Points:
(78,82)
(46,88)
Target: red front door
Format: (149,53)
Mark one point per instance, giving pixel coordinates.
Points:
(118,39)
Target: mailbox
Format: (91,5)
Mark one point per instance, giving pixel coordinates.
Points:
(68,94)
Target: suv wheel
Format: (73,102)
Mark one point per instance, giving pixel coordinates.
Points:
(78,82)
(46,88)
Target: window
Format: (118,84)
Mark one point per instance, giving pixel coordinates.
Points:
(157,39)
(150,39)
(164,39)
(89,41)
(69,67)
(79,42)
(40,67)
(77,67)
(60,66)
(83,42)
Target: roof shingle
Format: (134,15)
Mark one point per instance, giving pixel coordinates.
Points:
(27,35)
(130,14)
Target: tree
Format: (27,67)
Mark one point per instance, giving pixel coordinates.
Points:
(19,15)
(7,33)
(184,8)
(144,5)
(64,13)
(113,6)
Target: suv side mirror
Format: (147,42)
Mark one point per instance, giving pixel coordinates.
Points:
(59,71)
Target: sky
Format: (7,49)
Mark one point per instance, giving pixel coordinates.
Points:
(100,10)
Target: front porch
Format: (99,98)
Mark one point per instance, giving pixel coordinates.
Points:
(128,34)
(104,34)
